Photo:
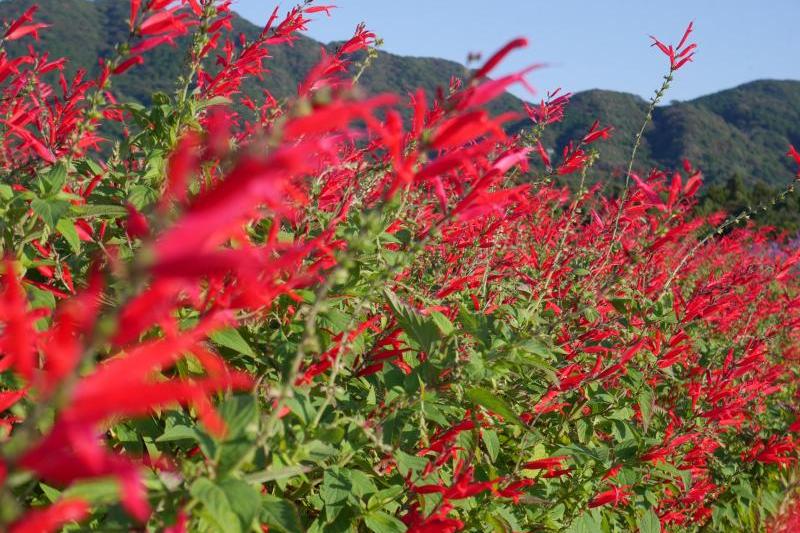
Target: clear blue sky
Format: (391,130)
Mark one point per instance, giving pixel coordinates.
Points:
(586,43)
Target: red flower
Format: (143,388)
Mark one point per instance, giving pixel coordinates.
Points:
(615,496)
(796,156)
(499,55)
(18,29)
(595,134)
(679,55)
(51,518)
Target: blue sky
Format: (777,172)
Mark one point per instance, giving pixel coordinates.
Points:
(586,43)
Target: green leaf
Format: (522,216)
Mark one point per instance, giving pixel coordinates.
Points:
(492,443)
(53,181)
(493,403)
(622,414)
(216,505)
(50,493)
(6,192)
(336,487)
(499,524)
(383,497)
(362,483)
(50,211)
(406,462)
(98,210)
(420,329)
(231,338)
(645,401)
(537,347)
(274,474)
(142,196)
(280,515)
(239,412)
(588,522)
(67,230)
(178,432)
(381,522)
(620,304)
(649,522)
(98,491)
(217,100)
(443,323)
(244,500)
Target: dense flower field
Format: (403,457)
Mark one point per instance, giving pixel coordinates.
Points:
(352,312)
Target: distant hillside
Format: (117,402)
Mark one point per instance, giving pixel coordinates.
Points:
(738,133)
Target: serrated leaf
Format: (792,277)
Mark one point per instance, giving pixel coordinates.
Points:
(50,211)
(493,403)
(492,443)
(499,524)
(382,497)
(443,323)
(649,522)
(406,462)
(231,338)
(645,401)
(6,192)
(67,230)
(274,474)
(178,432)
(215,504)
(98,491)
(336,486)
(280,515)
(244,501)
(381,522)
(142,196)
(588,521)
(98,210)
(215,101)
(53,181)
(50,493)
(420,329)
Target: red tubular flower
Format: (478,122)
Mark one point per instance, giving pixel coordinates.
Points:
(22,31)
(73,449)
(136,225)
(574,159)
(437,522)
(796,156)
(548,463)
(515,490)
(128,64)
(551,110)
(135,5)
(543,154)
(594,133)
(51,518)
(169,21)
(195,6)
(499,56)
(361,40)
(17,343)
(18,28)
(443,439)
(616,496)
(681,54)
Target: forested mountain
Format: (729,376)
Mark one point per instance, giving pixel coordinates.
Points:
(737,134)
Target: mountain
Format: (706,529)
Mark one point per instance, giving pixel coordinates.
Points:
(740,133)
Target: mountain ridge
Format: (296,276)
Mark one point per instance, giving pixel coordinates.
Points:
(737,133)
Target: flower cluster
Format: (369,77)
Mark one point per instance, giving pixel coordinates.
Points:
(350,312)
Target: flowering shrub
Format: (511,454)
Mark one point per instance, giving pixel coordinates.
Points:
(318,315)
